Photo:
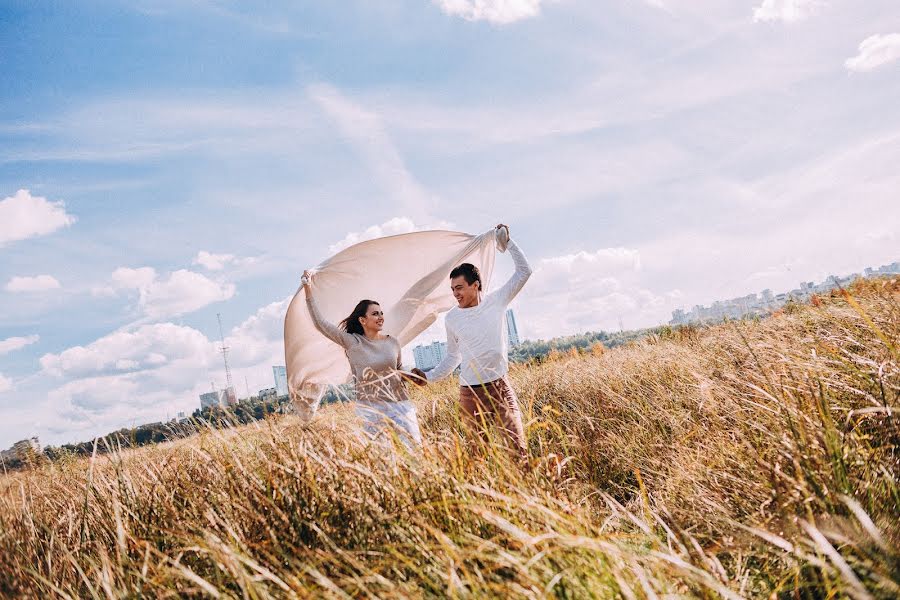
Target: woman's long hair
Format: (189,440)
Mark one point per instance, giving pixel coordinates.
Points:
(351,324)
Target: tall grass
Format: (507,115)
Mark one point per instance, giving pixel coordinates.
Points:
(750,459)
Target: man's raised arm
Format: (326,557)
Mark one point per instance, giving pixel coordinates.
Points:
(523,271)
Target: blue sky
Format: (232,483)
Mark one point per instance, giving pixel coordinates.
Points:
(164,161)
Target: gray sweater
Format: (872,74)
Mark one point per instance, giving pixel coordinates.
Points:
(374,363)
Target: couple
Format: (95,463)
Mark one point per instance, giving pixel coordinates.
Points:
(476,343)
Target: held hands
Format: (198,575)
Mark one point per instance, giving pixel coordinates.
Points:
(420,379)
(306,278)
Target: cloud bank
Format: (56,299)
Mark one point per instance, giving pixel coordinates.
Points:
(38,283)
(24,216)
(218,262)
(499,12)
(12,344)
(180,293)
(394,226)
(589,290)
(875,51)
(787,11)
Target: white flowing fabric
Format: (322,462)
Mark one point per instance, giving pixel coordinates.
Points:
(407,274)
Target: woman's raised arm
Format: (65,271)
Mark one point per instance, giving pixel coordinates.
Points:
(325,327)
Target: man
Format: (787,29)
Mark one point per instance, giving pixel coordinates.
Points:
(476,342)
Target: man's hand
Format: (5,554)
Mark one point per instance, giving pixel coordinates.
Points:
(420,378)
(501,226)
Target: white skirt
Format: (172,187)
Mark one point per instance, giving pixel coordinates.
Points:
(381,418)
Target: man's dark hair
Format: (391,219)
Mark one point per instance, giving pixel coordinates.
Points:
(470,272)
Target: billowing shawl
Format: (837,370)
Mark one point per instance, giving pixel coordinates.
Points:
(407,274)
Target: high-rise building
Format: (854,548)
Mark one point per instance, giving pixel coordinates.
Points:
(229,397)
(281,386)
(225,397)
(213,398)
(511,328)
(428,357)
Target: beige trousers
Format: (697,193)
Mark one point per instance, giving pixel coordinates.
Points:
(494,403)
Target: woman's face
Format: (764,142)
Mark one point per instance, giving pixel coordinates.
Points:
(374,319)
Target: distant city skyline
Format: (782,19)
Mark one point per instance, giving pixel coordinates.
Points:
(766,301)
(221,397)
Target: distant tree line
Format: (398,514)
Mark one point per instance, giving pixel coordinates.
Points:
(244,411)
(537,350)
(219,417)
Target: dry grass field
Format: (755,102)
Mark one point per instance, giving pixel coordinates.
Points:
(750,459)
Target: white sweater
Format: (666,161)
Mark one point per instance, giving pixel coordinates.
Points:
(476,336)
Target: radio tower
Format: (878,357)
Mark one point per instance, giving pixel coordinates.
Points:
(224,351)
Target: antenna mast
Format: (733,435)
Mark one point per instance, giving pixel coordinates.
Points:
(224,351)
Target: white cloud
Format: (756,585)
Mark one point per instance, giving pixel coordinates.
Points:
(83,401)
(605,258)
(125,364)
(23,216)
(875,51)
(261,334)
(103,291)
(148,347)
(213,262)
(181,292)
(500,12)
(589,291)
(788,11)
(6,384)
(124,277)
(394,226)
(17,343)
(217,262)
(38,283)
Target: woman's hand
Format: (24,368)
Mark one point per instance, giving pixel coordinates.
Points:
(420,379)
(306,278)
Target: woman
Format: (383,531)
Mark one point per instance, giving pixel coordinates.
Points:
(381,399)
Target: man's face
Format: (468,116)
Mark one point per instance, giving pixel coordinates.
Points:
(466,293)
